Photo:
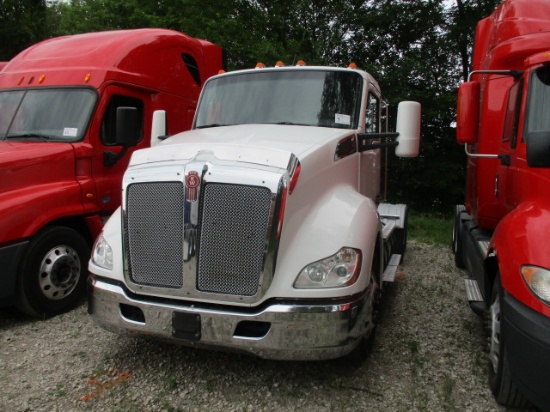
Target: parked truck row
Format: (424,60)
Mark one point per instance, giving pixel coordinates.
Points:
(261,229)
(500,234)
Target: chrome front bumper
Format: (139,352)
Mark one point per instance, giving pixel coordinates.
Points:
(286,331)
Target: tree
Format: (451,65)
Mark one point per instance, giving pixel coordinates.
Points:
(418,50)
(22,23)
(463,18)
(405,46)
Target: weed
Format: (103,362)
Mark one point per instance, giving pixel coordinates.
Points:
(449,268)
(209,385)
(414,346)
(101,368)
(430,229)
(448,390)
(170,383)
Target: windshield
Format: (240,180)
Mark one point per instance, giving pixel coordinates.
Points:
(303,97)
(45,114)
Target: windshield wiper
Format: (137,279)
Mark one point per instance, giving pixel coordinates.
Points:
(206,126)
(43,137)
(293,124)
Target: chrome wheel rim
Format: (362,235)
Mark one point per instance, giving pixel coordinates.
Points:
(494,343)
(59,272)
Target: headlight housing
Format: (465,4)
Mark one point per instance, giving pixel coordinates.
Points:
(339,270)
(538,280)
(102,254)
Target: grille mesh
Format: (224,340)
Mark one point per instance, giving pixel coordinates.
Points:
(154,238)
(233,238)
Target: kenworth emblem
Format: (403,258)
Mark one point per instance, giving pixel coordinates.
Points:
(192,181)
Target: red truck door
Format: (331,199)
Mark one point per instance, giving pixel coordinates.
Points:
(108,177)
(509,148)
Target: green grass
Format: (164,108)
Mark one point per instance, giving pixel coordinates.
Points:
(430,229)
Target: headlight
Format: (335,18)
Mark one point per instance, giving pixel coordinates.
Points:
(538,280)
(341,269)
(102,254)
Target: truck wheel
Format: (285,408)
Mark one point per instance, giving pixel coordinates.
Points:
(500,378)
(456,242)
(52,276)
(362,351)
(364,348)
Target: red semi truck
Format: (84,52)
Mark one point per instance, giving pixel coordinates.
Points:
(64,146)
(501,234)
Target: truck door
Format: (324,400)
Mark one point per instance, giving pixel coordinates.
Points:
(108,177)
(509,151)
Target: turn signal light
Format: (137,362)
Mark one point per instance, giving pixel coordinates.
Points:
(538,280)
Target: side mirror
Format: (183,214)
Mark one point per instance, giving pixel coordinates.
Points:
(158,127)
(467,113)
(538,149)
(127,133)
(127,126)
(408,127)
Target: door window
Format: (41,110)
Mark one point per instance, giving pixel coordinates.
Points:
(512,114)
(108,126)
(373,114)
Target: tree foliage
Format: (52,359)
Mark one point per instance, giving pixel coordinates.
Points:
(418,50)
(22,23)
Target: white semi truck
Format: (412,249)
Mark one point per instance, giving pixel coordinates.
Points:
(260,229)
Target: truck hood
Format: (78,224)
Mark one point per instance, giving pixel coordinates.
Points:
(269,145)
(23,164)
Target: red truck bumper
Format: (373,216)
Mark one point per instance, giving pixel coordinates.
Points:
(10,256)
(527,335)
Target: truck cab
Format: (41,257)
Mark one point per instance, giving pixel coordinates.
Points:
(63,104)
(259,230)
(500,232)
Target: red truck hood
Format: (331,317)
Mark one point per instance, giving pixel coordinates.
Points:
(23,164)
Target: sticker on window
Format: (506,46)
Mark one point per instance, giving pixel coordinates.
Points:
(342,119)
(70,132)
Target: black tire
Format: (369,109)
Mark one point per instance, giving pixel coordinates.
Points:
(362,351)
(53,271)
(456,243)
(364,348)
(501,383)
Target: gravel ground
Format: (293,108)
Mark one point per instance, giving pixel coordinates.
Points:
(428,356)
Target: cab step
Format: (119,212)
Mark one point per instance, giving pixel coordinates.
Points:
(474,296)
(472,290)
(391,269)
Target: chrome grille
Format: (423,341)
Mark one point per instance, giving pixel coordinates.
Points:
(154,233)
(233,238)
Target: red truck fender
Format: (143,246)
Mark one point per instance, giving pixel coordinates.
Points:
(517,242)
